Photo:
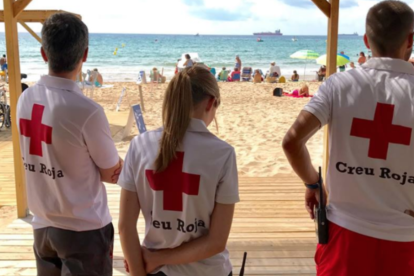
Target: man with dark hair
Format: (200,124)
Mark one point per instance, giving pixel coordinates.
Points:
(68,152)
(370,175)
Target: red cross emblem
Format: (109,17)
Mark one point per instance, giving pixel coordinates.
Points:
(36,131)
(174,182)
(381,131)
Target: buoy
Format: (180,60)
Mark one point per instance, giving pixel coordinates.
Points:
(123,45)
(116,49)
(115,53)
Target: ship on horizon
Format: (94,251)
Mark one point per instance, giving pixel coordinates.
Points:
(276,33)
(354,34)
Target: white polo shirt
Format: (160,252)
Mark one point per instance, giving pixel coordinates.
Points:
(370,112)
(64,139)
(177,203)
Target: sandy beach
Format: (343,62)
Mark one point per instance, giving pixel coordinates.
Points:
(250,118)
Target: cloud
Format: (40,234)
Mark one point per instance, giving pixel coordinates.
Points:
(199,9)
(307,3)
(194,2)
(220,15)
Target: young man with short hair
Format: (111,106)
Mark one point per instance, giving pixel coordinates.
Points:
(67,152)
(370,176)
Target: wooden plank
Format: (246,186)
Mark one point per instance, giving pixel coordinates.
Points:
(31,31)
(35,15)
(324,6)
(19,6)
(15,88)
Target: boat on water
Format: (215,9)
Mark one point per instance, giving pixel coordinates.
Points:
(197,34)
(294,39)
(276,33)
(354,34)
(259,39)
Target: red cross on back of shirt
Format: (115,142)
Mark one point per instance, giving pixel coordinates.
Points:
(36,131)
(174,182)
(381,131)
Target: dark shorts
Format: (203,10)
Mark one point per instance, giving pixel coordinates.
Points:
(163,274)
(65,253)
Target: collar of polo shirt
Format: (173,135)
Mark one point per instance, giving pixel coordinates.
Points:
(59,83)
(197,125)
(390,64)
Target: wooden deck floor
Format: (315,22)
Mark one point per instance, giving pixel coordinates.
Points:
(270,224)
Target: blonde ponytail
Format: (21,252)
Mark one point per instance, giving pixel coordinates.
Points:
(186,89)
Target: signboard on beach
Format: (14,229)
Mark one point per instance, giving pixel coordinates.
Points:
(118,105)
(135,113)
(139,119)
(141,78)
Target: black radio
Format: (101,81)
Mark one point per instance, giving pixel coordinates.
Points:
(321,220)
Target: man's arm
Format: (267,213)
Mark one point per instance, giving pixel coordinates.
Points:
(294,146)
(202,248)
(129,212)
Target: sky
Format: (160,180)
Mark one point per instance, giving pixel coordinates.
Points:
(238,17)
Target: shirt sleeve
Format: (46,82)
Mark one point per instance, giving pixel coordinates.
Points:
(228,188)
(127,178)
(98,139)
(321,103)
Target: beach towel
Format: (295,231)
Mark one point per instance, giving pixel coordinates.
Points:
(295,94)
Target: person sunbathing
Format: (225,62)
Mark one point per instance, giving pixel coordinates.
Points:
(235,75)
(295,76)
(220,75)
(98,80)
(302,92)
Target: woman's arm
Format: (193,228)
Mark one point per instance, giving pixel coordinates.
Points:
(202,248)
(128,216)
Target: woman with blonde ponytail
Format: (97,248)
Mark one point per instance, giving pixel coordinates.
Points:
(184,180)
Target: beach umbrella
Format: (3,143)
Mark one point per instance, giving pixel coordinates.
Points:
(341,60)
(305,54)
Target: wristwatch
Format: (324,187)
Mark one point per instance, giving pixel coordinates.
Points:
(316,185)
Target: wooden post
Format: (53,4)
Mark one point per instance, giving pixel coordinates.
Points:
(31,31)
(15,87)
(332,51)
(141,98)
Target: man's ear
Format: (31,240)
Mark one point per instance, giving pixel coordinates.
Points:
(42,51)
(85,55)
(410,40)
(366,41)
(210,104)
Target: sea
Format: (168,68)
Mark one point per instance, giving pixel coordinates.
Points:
(120,57)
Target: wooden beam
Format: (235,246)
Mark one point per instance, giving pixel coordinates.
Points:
(332,51)
(19,6)
(35,15)
(15,88)
(324,6)
(31,31)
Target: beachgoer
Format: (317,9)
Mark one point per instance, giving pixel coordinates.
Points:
(3,63)
(352,65)
(238,63)
(258,78)
(302,92)
(176,66)
(370,173)
(362,58)
(186,232)
(234,76)
(68,151)
(155,75)
(343,67)
(295,76)
(321,73)
(99,78)
(220,75)
(188,61)
(274,71)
